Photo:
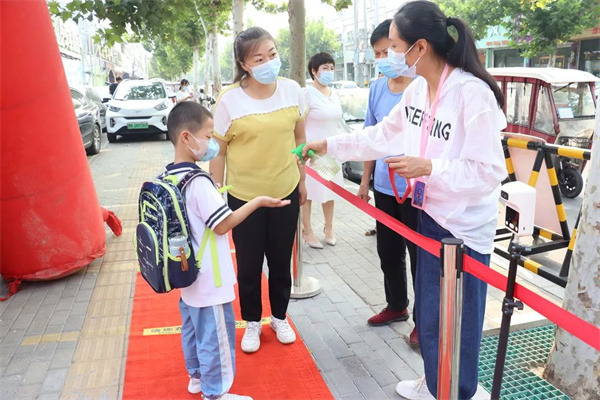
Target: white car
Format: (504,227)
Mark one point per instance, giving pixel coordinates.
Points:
(136,107)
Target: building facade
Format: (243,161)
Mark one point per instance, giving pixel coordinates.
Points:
(582,52)
(91,64)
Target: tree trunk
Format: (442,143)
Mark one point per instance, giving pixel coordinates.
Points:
(238,17)
(238,24)
(196,61)
(552,59)
(216,66)
(297,21)
(573,365)
(208,65)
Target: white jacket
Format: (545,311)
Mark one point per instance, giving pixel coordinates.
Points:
(464,147)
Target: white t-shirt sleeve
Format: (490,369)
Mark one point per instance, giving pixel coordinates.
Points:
(221,118)
(303,102)
(204,197)
(480,166)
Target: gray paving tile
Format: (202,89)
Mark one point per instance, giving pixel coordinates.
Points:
(27,392)
(63,356)
(44,351)
(373,363)
(18,364)
(35,373)
(342,383)
(49,396)
(54,380)
(333,340)
(316,316)
(13,337)
(74,323)
(370,389)
(354,368)
(83,295)
(23,321)
(311,338)
(65,303)
(9,386)
(354,396)
(58,318)
(326,360)
(79,308)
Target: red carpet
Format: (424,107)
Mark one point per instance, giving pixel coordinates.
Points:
(155,367)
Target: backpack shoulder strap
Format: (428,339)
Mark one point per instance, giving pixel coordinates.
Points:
(188,177)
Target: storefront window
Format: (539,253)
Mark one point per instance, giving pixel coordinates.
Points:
(507,58)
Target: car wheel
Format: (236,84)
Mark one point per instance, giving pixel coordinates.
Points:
(346,170)
(570,182)
(112,137)
(96,141)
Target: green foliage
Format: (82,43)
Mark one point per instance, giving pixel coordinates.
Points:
(338,4)
(226,63)
(538,30)
(170,60)
(534,26)
(318,38)
(477,13)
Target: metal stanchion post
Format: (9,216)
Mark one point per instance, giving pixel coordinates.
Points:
(302,286)
(508,304)
(451,300)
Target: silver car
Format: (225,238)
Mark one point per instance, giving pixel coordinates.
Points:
(354,110)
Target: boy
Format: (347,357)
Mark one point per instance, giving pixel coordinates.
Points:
(208,324)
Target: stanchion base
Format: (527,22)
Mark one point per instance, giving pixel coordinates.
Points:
(310,287)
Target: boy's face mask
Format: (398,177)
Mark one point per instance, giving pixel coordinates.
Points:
(208,149)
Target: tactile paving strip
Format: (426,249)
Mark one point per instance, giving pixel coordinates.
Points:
(527,352)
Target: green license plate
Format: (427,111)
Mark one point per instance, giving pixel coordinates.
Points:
(137,125)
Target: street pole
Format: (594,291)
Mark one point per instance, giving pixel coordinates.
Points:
(355,40)
(303,286)
(450,326)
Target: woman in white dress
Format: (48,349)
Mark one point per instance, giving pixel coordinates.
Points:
(322,120)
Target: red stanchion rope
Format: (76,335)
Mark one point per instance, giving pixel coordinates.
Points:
(579,328)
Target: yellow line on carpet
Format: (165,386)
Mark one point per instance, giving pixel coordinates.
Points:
(176,330)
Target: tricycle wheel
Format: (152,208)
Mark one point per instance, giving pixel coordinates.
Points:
(570,183)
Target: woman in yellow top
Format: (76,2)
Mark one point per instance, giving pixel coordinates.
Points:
(258,121)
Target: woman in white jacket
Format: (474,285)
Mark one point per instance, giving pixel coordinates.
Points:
(447,128)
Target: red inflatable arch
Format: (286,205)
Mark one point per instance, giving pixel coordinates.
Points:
(51,224)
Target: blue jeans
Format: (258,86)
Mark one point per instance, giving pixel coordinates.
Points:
(427,301)
(208,341)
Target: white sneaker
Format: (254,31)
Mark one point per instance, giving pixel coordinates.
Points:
(414,390)
(285,333)
(194,386)
(231,396)
(251,339)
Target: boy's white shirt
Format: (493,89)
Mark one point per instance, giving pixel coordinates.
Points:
(464,147)
(205,206)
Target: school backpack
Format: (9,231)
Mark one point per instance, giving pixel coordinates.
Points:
(163,237)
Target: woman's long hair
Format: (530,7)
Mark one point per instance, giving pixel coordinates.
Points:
(245,42)
(424,20)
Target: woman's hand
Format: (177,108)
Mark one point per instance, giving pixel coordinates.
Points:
(410,167)
(302,193)
(319,146)
(363,193)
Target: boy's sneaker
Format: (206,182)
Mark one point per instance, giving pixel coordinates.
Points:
(285,333)
(194,385)
(251,339)
(387,316)
(414,390)
(231,396)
